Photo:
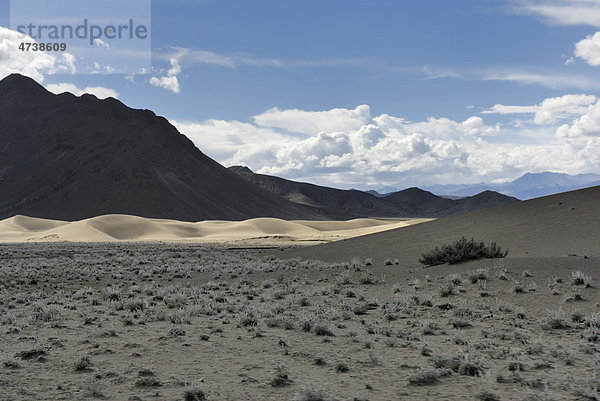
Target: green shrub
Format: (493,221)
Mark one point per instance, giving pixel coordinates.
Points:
(461,250)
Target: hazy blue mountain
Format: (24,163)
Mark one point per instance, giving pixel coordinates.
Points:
(530,185)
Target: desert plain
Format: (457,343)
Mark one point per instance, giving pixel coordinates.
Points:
(144,318)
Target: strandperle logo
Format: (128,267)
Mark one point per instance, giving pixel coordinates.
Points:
(85,30)
(87,36)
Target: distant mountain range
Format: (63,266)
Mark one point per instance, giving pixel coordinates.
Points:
(70,158)
(530,185)
(411,202)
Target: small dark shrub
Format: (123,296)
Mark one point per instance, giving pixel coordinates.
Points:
(450,363)
(176,332)
(487,396)
(469,369)
(11,365)
(37,352)
(83,365)
(460,323)
(319,361)
(341,368)
(281,378)
(360,309)
(426,377)
(322,330)
(461,250)
(312,395)
(306,326)
(446,290)
(194,395)
(148,382)
(146,373)
(555,321)
(304,302)
(516,367)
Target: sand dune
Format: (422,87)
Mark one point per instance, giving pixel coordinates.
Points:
(114,227)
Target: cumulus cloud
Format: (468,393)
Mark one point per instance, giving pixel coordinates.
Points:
(313,122)
(98,91)
(170,81)
(38,64)
(222,138)
(588,49)
(175,67)
(32,64)
(68,64)
(350,148)
(551,110)
(588,125)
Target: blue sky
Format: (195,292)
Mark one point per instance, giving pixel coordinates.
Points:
(371,93)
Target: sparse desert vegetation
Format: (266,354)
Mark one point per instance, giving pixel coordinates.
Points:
(202,322)
(461,250)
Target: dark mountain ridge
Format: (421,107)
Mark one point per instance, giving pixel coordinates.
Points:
(69,158)
(411,202)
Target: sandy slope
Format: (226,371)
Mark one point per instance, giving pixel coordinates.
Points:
(552,226)
(125,227)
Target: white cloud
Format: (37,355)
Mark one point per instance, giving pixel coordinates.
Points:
(222,138)
(97,68)
(504,109)
(563,12)
(349,148)
(170,81)
(101,43)
(519,75)
(195,56)
(557,108)
(313,122)
(30,63)
(570,12)
(98,91)
(69,63)
(547,79)
(551,110)
(589,49)
(175,67)
(358,149)
(588,125)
